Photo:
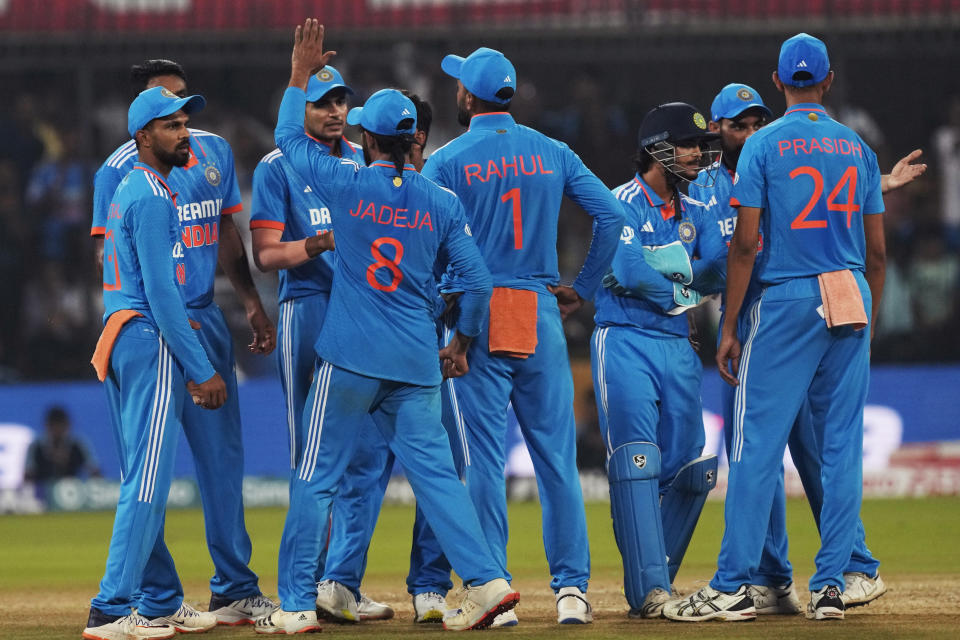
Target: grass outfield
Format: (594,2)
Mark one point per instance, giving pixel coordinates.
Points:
(50,566)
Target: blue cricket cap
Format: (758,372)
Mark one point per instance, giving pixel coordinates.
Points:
(387,113)
(734,99)
(802,55)
(323,82)
(485,73)
(158,102)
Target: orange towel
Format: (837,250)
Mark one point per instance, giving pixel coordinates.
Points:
(842,302)
(101,356)
(513,322)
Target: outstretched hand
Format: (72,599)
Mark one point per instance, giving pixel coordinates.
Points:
(308,54)
(903,172)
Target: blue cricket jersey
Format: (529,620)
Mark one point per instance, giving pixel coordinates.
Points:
(143,266)
(650,222)
(205,189)
(716,198)
(511,180)
(815,179)
(390,233)
(284,201)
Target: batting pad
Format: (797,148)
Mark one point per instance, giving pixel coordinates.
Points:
(634,472)
(682,504)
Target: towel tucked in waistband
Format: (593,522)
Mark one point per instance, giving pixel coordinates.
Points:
(101,356)
(842,301)
(513,322)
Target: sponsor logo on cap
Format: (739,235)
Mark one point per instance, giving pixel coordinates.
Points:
(699,120)
(166,93)
(324,75)
(212,174)
(744,95)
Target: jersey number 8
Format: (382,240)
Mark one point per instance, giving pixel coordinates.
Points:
(382,262)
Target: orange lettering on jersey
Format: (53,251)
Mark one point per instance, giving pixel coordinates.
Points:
(783,146)
(197,235)
(386,215)
(214,233)
(475,172)
(523,169)
(815,144)
(799,143)
(187,237)
(540,164)
(371,211)
(357,212)
(841,146)
(492,168)
(399,218)
(425,221)
(114,211)
(509,164)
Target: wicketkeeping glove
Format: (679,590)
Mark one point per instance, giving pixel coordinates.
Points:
(672,260)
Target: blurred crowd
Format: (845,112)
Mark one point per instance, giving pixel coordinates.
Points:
(51,312)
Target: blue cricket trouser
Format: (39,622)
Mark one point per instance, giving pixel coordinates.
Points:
(775,568)
(145,393)
(647,387)
(541,390)
(429,568)
(216,442)
(789,357)
(357,505)
(408,418)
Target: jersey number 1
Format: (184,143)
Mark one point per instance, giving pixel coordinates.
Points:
(382,262)
(514,195)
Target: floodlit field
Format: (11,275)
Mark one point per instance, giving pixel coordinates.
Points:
(50,566)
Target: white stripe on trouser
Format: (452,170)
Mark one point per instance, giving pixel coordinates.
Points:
(600,345)
(740,398)
(286,363)
(310,451)
(455,405)
(157,424)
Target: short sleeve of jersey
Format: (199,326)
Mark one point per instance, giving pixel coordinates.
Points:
(105,183)
(267,209)
(874,193)
(750,182)
(232,202)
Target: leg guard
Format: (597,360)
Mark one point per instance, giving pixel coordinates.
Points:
(682,504)
(634,471)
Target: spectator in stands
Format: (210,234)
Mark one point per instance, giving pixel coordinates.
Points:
(58,453)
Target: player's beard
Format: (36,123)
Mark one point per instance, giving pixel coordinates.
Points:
(366,152)
(179,157)
(463,117)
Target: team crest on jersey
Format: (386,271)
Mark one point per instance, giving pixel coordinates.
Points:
(212,174)
(166,93)
(699,120)
(397,181)
(324,75)
(745,95)
(687,232)
(640,461)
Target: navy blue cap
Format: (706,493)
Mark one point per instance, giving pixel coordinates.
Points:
(484,73)
(158,102)
(673,122)
(734,99)
(323,82)
(384,112)
(799,54)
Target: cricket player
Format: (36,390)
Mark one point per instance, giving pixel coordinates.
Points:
(737,112)
(813,187)
(207,195)
(511,180)
(390,227)
(148,356)
(646,374)
(287,219)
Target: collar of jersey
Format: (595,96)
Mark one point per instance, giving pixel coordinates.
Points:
(806,107)
(390,165)
(344,143)
(492,120)
(153,172)
(649,192)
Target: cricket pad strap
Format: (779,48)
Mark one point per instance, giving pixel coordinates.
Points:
(682,504)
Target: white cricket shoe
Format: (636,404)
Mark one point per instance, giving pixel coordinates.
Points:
(860,589)
(188,620)
(481,605)
(429,607)
(710,604)
(368,609)
(505,619)
(572,606)
(243,611)
(100,626)
(280,621)
(825,604)
(652,605)
(780,600)
(337,601)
